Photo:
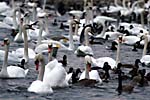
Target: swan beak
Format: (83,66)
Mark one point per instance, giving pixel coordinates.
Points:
(88,67)
(37,64)
(49,49)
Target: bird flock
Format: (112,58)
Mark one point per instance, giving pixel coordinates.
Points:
(126,23)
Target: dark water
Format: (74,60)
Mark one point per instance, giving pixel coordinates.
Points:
(16,89)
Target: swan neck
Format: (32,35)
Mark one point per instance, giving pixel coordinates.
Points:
(14,19)
(145,45)
(116,3)
(40,34)
(76,27)
(44,5)
(104,29)
(71,45)
(118,54)
(87,29)
(46,24)
(42,69)
(25,44)
(13,4)
(5,63)
(86,72)
(34,13)
(124,3)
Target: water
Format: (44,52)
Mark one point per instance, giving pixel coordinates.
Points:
(16,89)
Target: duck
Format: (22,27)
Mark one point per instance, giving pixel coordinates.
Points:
(73,75)
(64,60)
(123,88)
(11,71)
(38,86)
(106,68)
(89,77)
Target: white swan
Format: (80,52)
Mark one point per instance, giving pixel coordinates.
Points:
(87,74)
(84,49)
(130,40)
(100,61)
(44,46)
(112,9)
(39,86)
(11,71)
(25,52)
(145,58)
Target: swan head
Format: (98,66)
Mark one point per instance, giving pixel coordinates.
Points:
(50,47)
(38,58)
(6,41)
(88,59)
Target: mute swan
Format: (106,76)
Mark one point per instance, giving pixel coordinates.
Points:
(100,61)
(42,47)
(89,75)
(39,86)
(25,52)
(145,58)
(11,71)
(84,49)
(112,9)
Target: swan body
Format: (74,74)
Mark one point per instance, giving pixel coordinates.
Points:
(55,74)
(39,87)
(100,61)
(130,40)
(84,50)
(11,57)
(20,52)
(146,60)
(16,72)
(93,74)
(76,13)
(3,7)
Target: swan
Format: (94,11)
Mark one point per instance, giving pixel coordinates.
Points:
(19,37)
(25,52)
(3,7)
(100,61)
(34,34)
(11,71)
(145,58)
(101,20)
(130,40)
(39,86)
(112,9)
(84,49)
(89,75)
(44,46)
